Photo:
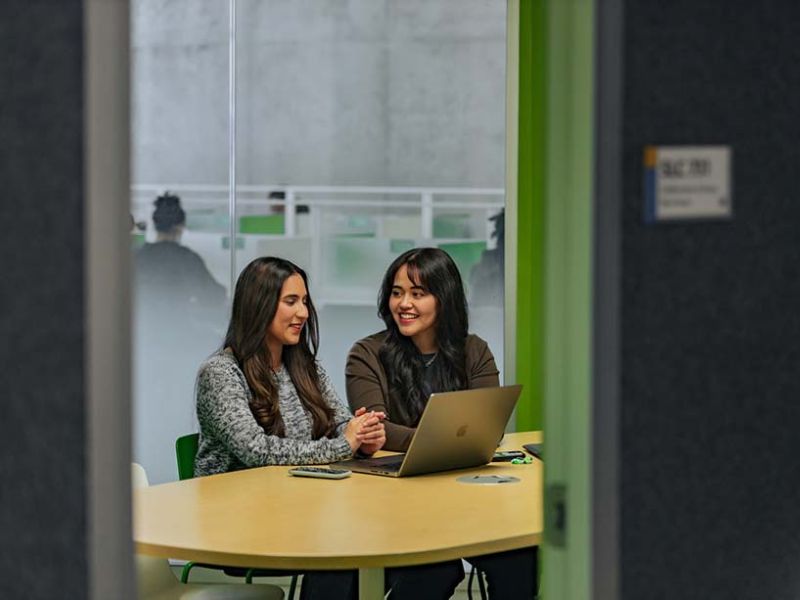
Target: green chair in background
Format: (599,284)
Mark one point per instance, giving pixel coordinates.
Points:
(185,451)
(262,224)
(465,254)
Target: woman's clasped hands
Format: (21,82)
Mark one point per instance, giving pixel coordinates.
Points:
(365,431)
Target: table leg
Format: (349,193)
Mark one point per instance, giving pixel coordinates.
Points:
(370,584)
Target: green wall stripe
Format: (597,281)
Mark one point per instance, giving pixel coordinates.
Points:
(531,187)
(568,300)
(554,177)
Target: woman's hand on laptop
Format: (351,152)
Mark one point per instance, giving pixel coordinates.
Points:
(371,433)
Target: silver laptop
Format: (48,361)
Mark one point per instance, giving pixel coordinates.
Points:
(457,430)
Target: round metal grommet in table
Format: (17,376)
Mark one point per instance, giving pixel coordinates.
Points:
(488,479)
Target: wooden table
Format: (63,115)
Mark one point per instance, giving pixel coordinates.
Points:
(266,518)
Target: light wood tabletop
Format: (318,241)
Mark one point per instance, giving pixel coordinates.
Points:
(266,518)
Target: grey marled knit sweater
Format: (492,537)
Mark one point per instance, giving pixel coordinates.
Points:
(230,438)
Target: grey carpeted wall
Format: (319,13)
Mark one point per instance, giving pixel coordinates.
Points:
(710,312)
(42,433)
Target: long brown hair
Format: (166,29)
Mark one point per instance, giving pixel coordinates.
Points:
(434,270)
(255,302)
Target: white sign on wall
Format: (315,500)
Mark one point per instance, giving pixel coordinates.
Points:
(687,182)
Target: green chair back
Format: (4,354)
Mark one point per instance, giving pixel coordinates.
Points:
(269,224)
(465,254)
(185,451)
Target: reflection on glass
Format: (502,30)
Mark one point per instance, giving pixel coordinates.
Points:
(363,128)
(173,286)
(178,309)
(179,106)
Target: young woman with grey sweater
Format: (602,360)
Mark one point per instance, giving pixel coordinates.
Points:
(263,399)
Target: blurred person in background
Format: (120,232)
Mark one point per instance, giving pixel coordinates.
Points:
(179,319)
(173,278)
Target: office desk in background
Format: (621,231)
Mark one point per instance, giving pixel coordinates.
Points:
(266,518)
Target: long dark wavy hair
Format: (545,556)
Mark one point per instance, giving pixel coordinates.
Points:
(255,303)
(433,270)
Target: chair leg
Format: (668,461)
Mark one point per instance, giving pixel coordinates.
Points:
(482,586)
(293,586)
(185,572)
(469,582)
(248,576)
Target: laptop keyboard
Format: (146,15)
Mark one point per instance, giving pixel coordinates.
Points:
(382,462)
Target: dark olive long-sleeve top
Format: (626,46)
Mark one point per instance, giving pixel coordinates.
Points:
(368,387)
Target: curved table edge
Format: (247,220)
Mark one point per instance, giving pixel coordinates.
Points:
(340,562)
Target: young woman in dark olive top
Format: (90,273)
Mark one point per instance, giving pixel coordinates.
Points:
(426,348)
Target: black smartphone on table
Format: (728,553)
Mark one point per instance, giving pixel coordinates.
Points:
(507,455)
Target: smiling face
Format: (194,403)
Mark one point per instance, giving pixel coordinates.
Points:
(290,316)
(414,311)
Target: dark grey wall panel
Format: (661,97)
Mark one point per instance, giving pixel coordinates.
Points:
(42,437)
(710,410)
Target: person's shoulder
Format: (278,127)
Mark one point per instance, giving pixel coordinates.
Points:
(145,251)
(370,344)
(162,251)
(185,253)
(218,363)
(475,345)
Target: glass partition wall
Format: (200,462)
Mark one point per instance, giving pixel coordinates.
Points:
(334,133)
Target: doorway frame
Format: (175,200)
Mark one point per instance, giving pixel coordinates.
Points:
(566,204)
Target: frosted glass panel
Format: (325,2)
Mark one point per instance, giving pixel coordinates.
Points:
(179,107)
(363,128)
